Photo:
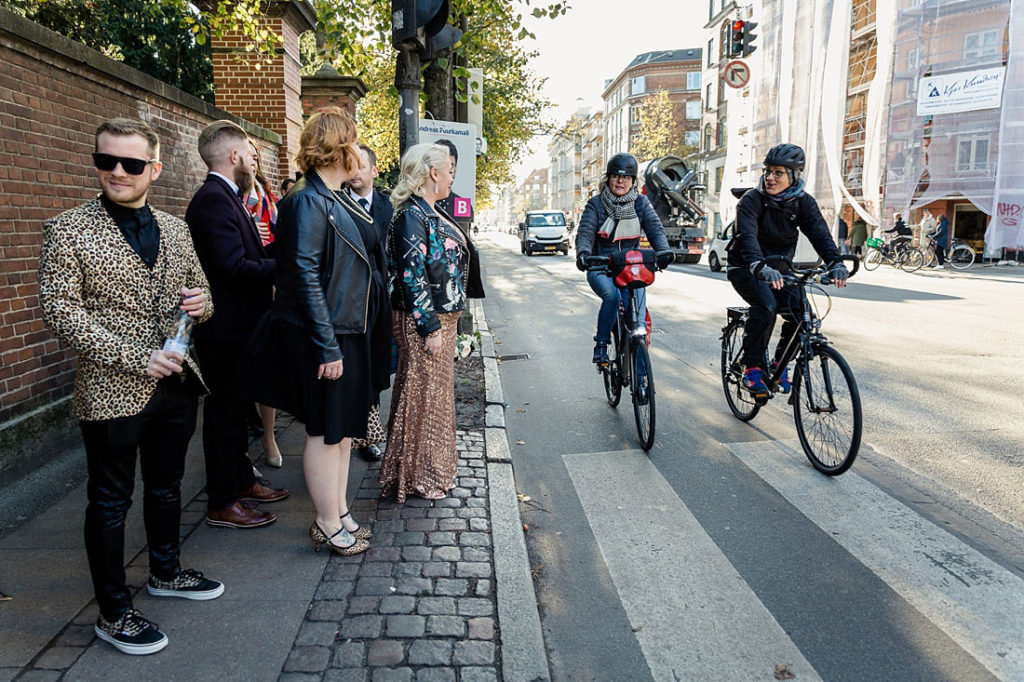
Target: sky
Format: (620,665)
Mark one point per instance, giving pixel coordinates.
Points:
(595,41)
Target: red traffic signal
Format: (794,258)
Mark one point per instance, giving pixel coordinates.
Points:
(736,38)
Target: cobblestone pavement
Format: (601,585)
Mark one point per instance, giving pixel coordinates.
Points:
(420,603)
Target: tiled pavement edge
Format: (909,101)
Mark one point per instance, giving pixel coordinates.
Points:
(445,589)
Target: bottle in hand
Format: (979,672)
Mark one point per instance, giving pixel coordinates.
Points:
(180,336)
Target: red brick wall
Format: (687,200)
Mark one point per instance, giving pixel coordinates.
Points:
(53,95)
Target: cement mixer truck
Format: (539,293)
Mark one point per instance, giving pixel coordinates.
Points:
(674,188)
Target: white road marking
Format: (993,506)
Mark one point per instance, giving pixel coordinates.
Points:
(977,602)
(694,616)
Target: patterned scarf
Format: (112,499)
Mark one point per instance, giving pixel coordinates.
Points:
(622,222)
(791,192)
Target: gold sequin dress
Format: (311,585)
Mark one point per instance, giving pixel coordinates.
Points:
(420,458)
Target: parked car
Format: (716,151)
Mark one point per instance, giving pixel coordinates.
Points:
(804,257)
(543,232)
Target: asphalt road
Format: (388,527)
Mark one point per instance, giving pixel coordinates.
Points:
(721,554)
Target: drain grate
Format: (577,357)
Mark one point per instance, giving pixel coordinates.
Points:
(518,356)
(655,330)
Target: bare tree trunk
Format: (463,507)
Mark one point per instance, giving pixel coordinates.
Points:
(437,84)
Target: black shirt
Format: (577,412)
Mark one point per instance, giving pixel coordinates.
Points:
(138,227)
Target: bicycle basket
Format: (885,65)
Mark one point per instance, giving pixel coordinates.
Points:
(875,242)
(633,269)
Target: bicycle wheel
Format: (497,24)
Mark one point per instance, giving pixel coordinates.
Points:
(643,392)
(740,401)
(611,373)
(912,260)
(961,257)
(929,257)
(873,259)
(826,407)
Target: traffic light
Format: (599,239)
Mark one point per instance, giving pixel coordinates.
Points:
(736,38)
(424,25)
(749,37)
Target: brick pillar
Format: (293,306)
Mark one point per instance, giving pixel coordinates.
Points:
(327,87)
(269,96)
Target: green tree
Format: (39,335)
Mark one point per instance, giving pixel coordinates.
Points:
(154,37)
(661,129)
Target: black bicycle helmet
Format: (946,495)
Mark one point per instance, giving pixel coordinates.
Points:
(623,164)
(787,155)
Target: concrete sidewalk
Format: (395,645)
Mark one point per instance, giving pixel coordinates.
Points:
(444,593)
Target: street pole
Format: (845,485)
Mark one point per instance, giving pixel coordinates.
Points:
(409,84)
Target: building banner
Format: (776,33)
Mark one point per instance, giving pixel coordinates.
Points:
(951,93)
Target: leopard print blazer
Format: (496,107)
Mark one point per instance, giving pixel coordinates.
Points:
(99,297)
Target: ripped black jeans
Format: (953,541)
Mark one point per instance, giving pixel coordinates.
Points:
(159,436)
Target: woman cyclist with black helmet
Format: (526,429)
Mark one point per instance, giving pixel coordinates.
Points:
(767,222)
(614,221)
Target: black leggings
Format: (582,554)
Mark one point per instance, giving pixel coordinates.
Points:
(765,303)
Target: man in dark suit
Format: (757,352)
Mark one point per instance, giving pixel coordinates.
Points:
(378,206)
(241,275)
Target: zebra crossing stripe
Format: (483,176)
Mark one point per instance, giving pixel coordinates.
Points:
(687,615)
(977,602)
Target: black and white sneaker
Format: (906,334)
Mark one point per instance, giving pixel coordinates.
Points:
(190,584)
(131,634)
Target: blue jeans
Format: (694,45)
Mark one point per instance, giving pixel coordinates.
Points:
(604,286)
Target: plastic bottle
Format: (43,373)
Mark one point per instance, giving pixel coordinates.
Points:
(180,336)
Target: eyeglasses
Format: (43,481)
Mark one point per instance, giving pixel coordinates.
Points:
(108,162)
(774,173)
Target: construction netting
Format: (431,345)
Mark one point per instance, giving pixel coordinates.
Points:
(945,113)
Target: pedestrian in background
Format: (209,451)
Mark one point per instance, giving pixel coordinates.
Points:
(842,236)
(241,273)
(940,241)
(313,347)
(365,203)
(428,263)
(115,277)
(262,205)
(858,235)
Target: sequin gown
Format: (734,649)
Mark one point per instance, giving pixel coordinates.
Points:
(420,458)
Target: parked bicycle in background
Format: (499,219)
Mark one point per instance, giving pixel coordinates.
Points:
(899,255)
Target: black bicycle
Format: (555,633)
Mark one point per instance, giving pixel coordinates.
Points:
(825,399)
(629,361)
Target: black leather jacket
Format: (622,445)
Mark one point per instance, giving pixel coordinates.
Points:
(323,268)
(771,228)
(428,262)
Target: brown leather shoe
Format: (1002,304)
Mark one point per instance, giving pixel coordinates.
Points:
(240,515)
(262,492)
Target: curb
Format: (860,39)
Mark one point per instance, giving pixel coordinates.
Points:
(523,656)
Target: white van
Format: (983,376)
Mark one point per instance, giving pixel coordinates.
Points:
(543,232)
(805,256)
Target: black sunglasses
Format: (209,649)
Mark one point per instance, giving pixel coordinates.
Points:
(108,162)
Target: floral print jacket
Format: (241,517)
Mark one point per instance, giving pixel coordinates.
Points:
(428,262)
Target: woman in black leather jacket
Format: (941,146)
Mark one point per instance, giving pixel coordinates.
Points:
(312,349)
(429,257)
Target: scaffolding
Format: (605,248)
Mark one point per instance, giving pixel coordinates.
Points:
(945,155)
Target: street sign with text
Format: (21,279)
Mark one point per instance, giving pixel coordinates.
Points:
(737,74)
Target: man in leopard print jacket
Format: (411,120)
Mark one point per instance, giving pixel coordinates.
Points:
(114,275)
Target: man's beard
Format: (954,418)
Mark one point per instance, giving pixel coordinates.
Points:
(244,179)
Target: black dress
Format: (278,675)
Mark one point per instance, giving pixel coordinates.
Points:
(280,364)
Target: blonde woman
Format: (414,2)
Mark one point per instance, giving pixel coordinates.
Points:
(313,349)
(428,263)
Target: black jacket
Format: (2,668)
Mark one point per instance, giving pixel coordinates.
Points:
(428,261)
(240,269)
(323,278)
(594,216)
(769,228)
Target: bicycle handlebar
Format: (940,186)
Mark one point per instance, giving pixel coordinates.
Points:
(599,262)
(804,274)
